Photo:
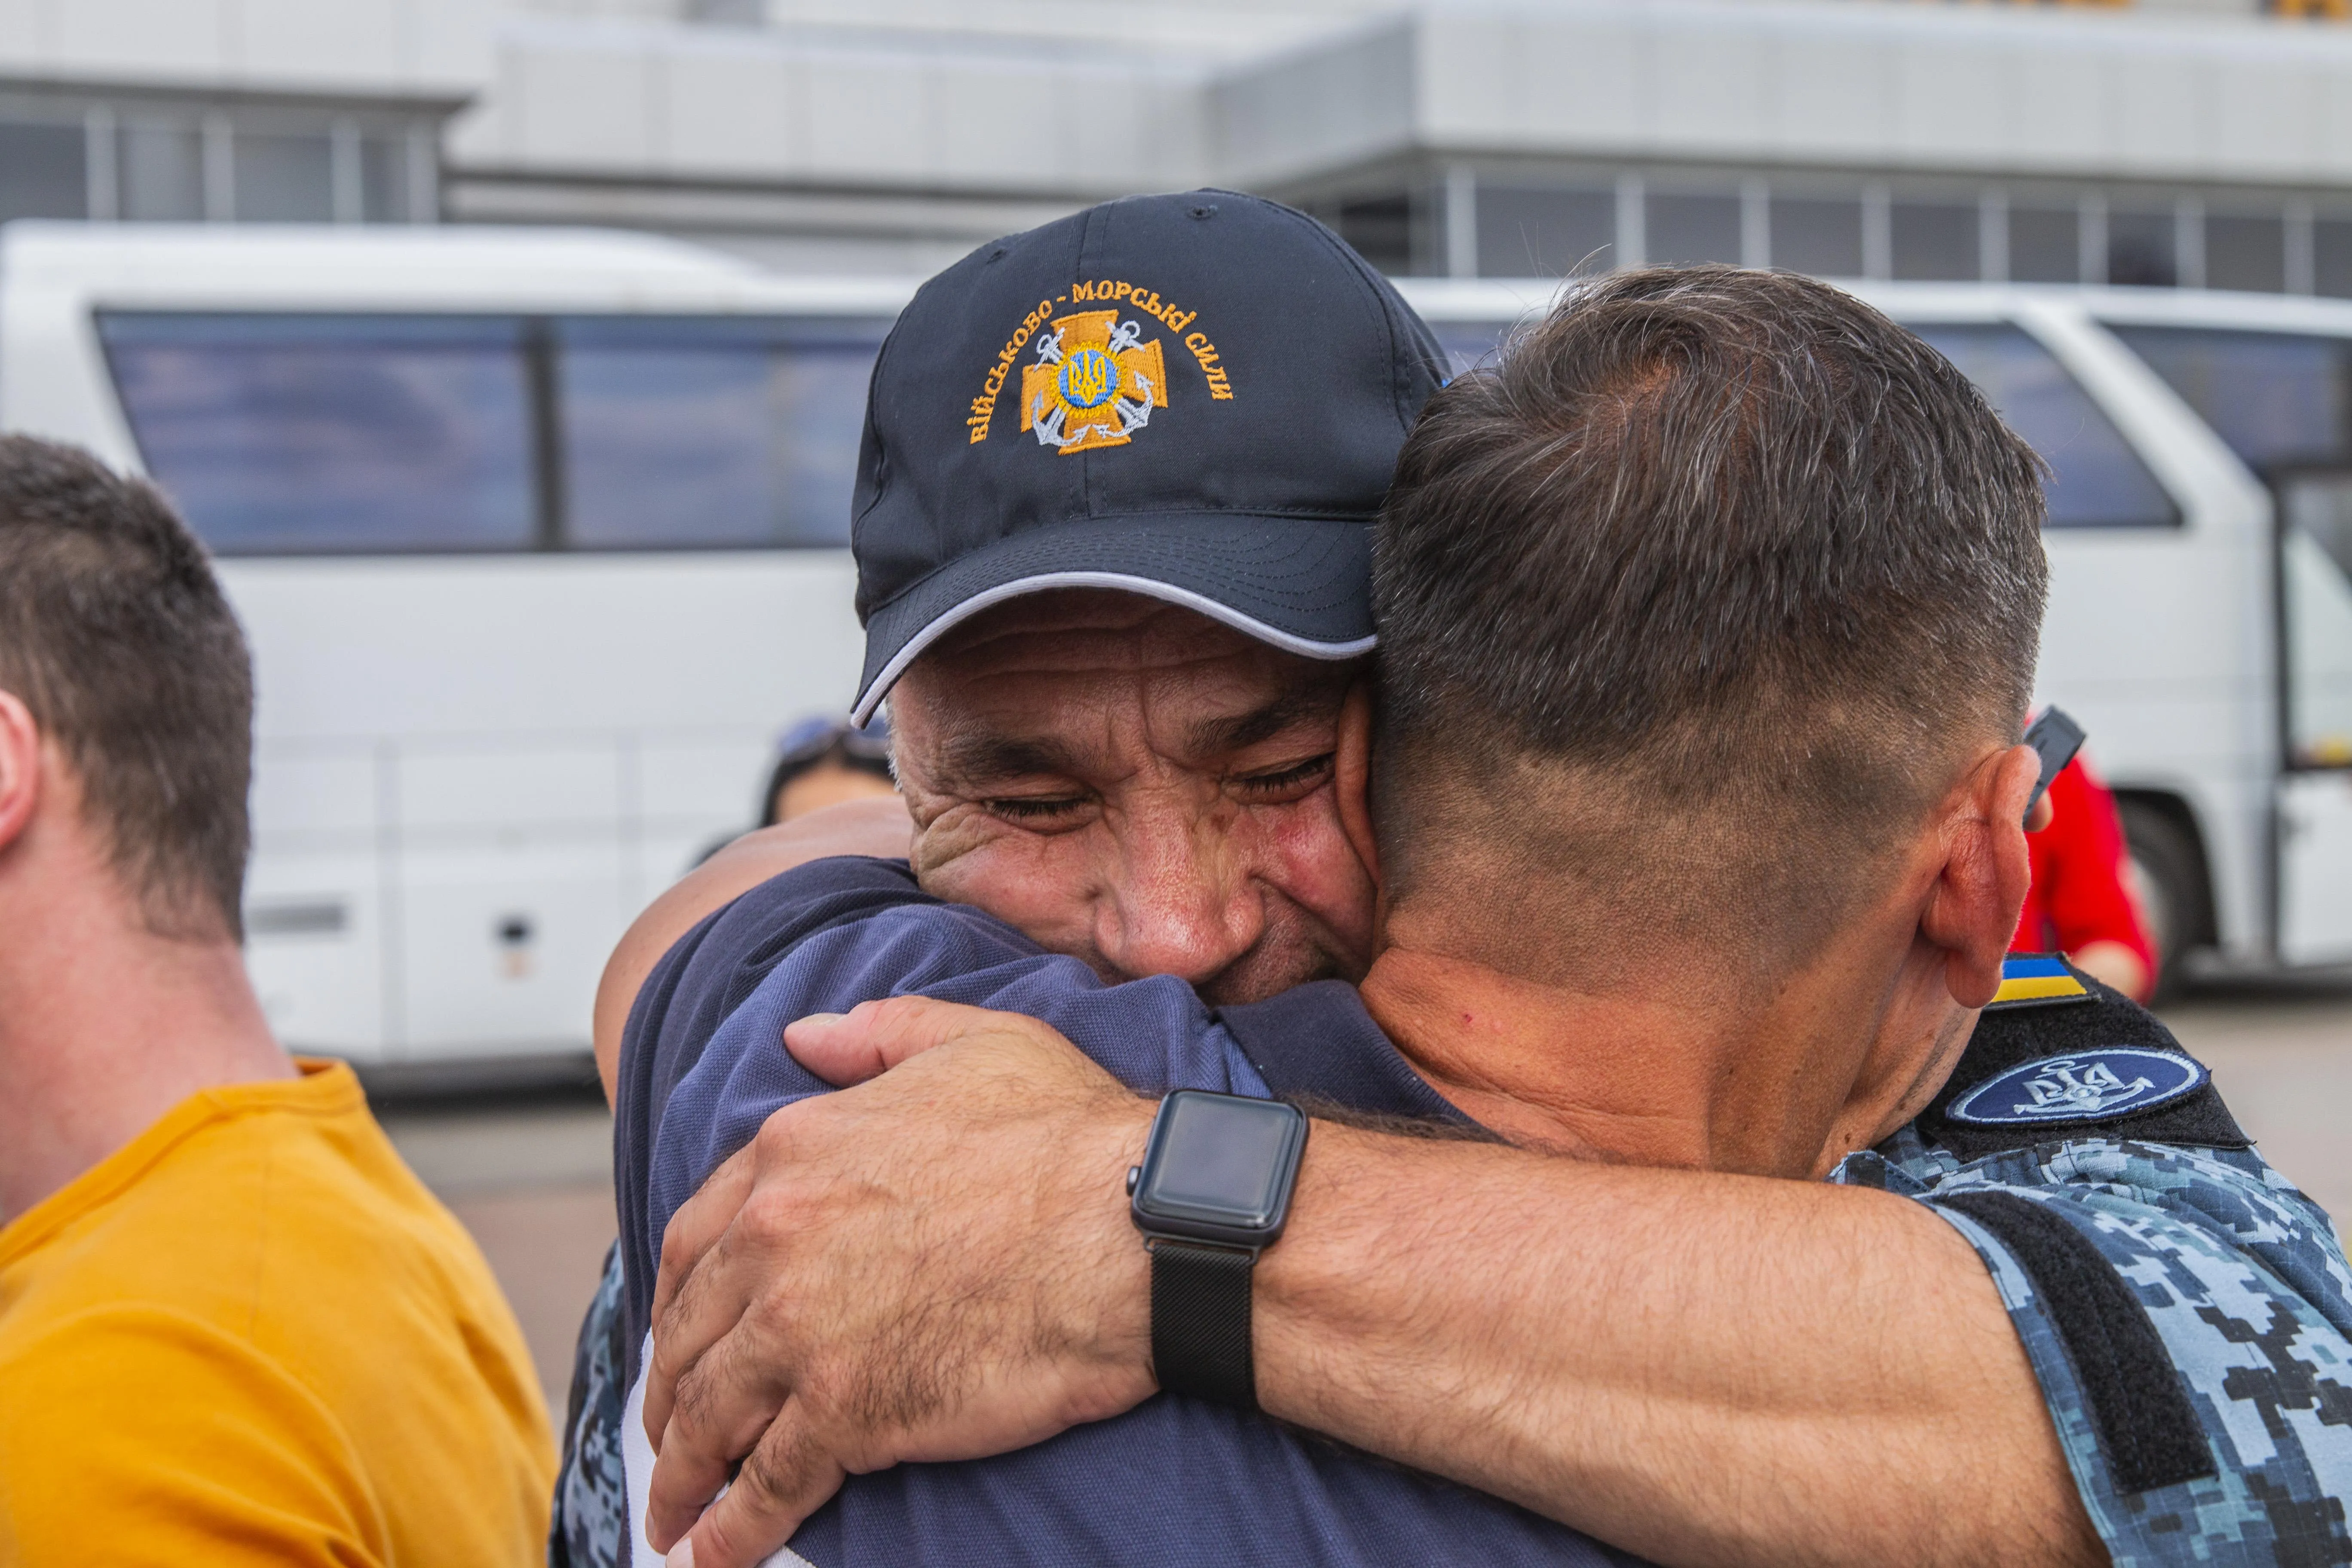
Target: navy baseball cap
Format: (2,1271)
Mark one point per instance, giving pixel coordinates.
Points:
(1198,398)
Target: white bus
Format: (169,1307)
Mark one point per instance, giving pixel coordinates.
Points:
(539,539)
(2199,538)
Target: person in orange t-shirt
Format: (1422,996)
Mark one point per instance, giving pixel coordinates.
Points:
(2081,902)
(233,1327)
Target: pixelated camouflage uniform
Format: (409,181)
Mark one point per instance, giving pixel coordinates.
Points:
(591,1520)
(2191,1324)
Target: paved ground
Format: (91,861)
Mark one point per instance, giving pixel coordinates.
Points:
(529,1174)
(2283,1060)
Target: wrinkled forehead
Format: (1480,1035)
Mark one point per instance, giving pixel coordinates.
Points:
(1095,673)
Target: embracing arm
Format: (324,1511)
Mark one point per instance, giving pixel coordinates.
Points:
(1701,1368)
(1698,1368)
(878,826)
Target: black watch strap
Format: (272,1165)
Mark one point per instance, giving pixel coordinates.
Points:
(1201,1321)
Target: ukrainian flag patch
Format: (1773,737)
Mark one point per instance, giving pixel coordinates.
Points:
(2037,979)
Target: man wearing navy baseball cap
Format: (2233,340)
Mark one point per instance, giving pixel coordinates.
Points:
(1195,398)
(1113,526)
(1122,469)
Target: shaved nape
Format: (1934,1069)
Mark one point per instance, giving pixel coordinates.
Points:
(1729,546)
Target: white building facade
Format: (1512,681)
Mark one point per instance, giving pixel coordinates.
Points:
(2198,143)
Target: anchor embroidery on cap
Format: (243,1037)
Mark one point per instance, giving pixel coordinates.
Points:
(1095,383)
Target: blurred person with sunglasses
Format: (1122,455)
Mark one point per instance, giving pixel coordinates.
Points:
(824,761)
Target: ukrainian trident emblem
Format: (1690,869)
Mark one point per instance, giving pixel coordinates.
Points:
(2088,1086)
(1095,383)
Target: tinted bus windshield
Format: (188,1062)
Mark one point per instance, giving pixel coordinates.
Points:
(295,435)
(2095,479)
(2277,398)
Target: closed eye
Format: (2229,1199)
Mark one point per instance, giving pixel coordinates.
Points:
(1033,809)
(1299,778)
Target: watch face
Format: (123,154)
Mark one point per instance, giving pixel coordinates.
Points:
(1219,1164)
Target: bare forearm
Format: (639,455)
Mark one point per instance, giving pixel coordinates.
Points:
(1698,1368)
(878,826)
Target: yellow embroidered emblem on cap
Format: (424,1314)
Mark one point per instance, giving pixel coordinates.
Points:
(1095,383)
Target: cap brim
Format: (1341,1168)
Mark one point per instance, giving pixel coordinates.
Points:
(1302,584)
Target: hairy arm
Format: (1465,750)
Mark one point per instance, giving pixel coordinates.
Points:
(878,826)
(1699,1368)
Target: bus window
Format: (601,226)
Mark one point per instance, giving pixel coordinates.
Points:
(2275,397)
(306,434)
(712,433)
(2096,481)
(2316,563)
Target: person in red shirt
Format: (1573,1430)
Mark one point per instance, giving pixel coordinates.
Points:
(2081,903)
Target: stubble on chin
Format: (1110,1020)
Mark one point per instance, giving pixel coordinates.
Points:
(1280,960)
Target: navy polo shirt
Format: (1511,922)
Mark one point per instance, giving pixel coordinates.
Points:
(1175,1480)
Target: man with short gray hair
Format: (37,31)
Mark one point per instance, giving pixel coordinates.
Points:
(1709,621)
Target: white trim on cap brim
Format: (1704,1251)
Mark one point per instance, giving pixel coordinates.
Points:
(1290,642)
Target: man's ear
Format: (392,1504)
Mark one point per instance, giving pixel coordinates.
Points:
(20,767)
(1971,913)
(1352,775)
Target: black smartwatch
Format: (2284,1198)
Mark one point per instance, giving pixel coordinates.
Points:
(1212,1192)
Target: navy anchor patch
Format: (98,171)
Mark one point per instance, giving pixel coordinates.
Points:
(2081,1086)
